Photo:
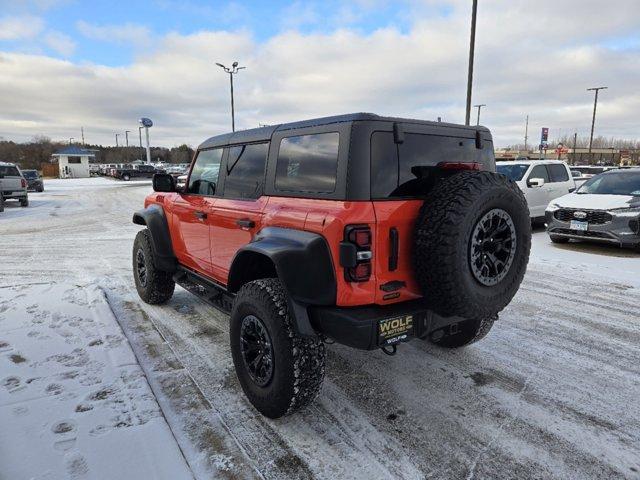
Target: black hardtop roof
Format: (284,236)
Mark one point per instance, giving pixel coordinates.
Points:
(264,133)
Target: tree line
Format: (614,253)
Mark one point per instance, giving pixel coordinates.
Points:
(582,142)
(31,154)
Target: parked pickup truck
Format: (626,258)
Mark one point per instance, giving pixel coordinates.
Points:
(140,171)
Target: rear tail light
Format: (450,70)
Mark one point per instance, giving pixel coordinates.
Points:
(23,182)
(355,253)
(460,166)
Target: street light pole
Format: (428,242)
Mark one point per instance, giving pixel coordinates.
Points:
(117,134)
(593,120)
(526,133)
(479,107)
(126,136)
(232,71)
(472,47)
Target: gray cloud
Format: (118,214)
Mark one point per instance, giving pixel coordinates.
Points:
(532,58)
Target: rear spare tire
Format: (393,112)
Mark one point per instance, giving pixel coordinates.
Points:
(471,245)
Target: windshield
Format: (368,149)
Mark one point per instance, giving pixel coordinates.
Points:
(513,171)
(29,174)
(623,183)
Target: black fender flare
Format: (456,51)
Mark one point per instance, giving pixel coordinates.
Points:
(154,218)
(303,263)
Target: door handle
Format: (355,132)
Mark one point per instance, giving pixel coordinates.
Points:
(201,215)
(245,223)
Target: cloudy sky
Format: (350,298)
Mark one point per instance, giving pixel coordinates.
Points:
(71,63)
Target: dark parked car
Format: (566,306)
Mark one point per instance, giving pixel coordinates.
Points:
(34,180)
(137,171)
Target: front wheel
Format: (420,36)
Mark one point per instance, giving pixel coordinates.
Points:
(279,371)
(126,178)
(154,286)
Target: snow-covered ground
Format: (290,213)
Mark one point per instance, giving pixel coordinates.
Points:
(552,392)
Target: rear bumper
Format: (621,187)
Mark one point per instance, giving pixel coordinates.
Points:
(375,326)
(15,194)
(622,230)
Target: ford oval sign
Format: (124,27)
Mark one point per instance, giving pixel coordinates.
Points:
(580,215)
(146,122)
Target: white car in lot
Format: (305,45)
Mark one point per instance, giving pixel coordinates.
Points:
(541,181)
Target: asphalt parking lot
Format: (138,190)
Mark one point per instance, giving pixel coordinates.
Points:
(552,392)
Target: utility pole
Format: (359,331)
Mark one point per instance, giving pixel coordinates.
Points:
(82,132)
(117,134)
(526,133)
(472,47)
(126,136)
(479,107)
(593,120)
(231,71)
(575,142)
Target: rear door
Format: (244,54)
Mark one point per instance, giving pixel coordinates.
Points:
(237,215)
(192,212)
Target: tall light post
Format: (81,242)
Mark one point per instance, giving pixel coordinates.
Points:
(479,107)
(472,47)
(526,133)
(117,135)
(231,71)
(146,123)
(593,120)
(126,136)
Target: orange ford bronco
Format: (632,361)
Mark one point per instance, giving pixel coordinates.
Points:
(359,229)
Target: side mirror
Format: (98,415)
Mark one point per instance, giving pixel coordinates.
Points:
(535,182)
(163,182)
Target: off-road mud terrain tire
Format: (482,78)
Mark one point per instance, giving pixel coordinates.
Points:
(557,239)
(443,244)
(298,363)
(469,331)
(156,287)
(24,202)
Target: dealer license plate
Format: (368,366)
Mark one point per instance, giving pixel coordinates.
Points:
(577,225)
(395,330)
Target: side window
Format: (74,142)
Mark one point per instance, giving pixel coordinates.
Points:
(204,175)
(245,171)
(384,165)
(539,171)
(308,163)
(558,173)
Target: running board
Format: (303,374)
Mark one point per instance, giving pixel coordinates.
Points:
(209,291)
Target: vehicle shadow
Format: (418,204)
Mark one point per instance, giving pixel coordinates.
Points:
(603,249)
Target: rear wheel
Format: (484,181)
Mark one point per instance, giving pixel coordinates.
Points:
(463,334)
(126,177)
(154,286)
(24,202)
(279,371)
(1,202)
(471,244)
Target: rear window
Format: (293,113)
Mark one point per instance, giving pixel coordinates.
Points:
(308,163)
(9,171)
(409,169)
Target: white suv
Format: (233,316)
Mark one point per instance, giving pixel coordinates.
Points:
(541,181)
(12,185)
